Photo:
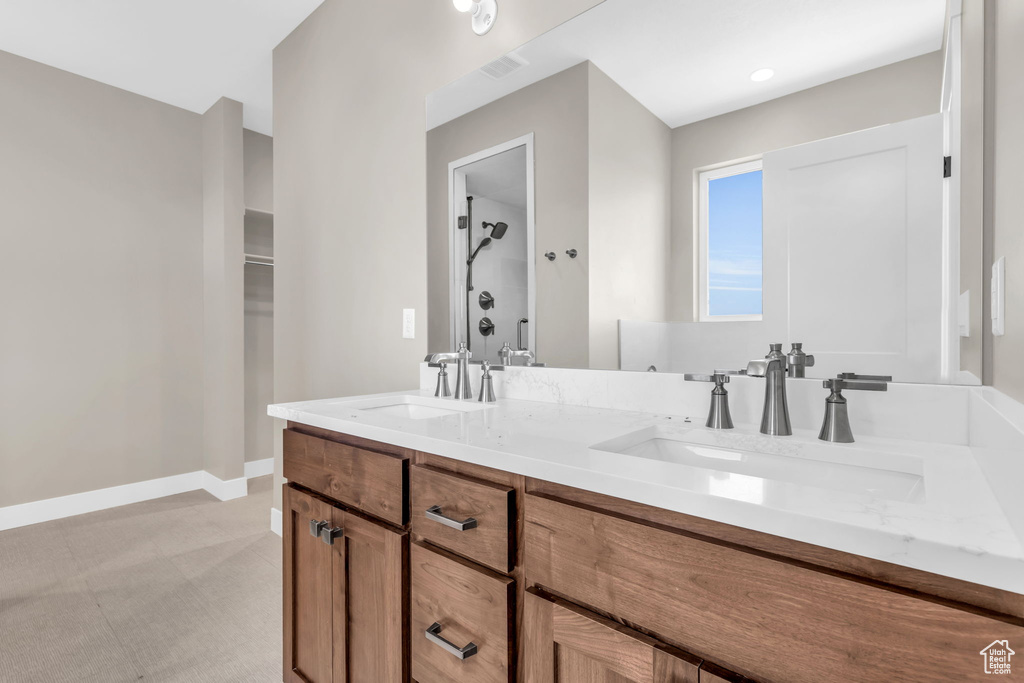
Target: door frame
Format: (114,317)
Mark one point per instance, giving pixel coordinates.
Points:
(457,195)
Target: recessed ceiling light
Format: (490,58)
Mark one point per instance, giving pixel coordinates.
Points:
(762,75)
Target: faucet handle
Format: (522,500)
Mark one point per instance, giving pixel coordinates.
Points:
(837,384)
(869,378)
(718,377)
(718,414)
(487,365)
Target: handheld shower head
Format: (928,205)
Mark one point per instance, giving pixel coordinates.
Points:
(483,243)
(498,229)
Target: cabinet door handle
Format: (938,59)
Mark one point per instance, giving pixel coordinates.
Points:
(434,513)
(316,526)
(433,634)
(328,535)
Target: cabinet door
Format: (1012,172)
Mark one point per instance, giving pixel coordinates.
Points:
(307,590)
(567,644)
(371,642)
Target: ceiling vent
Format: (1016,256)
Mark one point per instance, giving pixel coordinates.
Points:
(504,66)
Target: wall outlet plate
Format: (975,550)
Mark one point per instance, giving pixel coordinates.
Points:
(408,323)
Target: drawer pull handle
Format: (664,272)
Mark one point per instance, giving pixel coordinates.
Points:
(434,513)
(433,634)
(316,526)
(328,535)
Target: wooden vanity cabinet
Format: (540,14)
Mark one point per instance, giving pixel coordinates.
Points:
(345,595)
(567,644)
(553,584)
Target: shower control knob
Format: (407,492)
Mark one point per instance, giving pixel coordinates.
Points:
(486,300)
(486,327)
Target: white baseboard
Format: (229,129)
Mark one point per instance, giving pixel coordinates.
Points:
(15,516)
(259,468)
(225,490)
(90,501)
(276,522)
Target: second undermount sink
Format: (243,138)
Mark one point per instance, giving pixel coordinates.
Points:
(743,466)
(413,407)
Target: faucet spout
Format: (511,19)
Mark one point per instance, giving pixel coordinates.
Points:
(775,415)
(463,390)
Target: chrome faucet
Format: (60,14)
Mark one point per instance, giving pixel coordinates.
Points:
(486,382)
(442,389)
(836,425)
(718,415)
(775,415)
(463,390)
(798,361)
(506,353)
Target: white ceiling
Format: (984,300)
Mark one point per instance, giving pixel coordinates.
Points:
(188,53)
(687,60)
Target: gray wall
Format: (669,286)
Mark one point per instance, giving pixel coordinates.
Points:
(101,361)
(350,182)
(897,92)
(1003,149)
(555,111)
(630,170)
(223,291)
(258,159)
(602,187)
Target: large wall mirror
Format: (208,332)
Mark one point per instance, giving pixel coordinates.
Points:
(675,184)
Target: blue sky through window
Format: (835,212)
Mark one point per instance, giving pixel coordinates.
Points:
(734,244)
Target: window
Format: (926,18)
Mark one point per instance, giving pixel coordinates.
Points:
(730,243)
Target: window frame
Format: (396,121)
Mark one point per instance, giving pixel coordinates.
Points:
(703,290)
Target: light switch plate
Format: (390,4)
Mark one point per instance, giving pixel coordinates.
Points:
(999,297)
(408,323)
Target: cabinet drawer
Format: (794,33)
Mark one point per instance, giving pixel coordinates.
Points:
(567,644)
(367,480)
(461,604)
(754,612)
(467,516)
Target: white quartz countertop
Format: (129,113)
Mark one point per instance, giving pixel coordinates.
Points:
(935,512)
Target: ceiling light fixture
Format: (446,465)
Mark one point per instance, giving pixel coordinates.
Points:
(762,75)
(484,12)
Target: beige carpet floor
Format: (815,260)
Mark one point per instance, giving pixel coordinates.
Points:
(183,588)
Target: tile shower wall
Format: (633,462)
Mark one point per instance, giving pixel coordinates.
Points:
(501,269)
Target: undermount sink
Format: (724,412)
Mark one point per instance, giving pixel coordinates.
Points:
(744,466)
(413,407)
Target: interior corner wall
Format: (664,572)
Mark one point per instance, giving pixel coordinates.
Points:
(101,348)
(555,111)
(899,91)
(258,159)
(350,183)
(223,291)
(630,157)
(1007,200)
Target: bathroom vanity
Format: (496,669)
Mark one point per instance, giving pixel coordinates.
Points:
(439,540)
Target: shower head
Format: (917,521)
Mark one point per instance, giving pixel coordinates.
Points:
(499,229)
(483,243)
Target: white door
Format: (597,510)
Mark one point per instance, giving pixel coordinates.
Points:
(853,235)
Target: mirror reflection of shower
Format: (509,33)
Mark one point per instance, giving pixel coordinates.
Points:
(490,252)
